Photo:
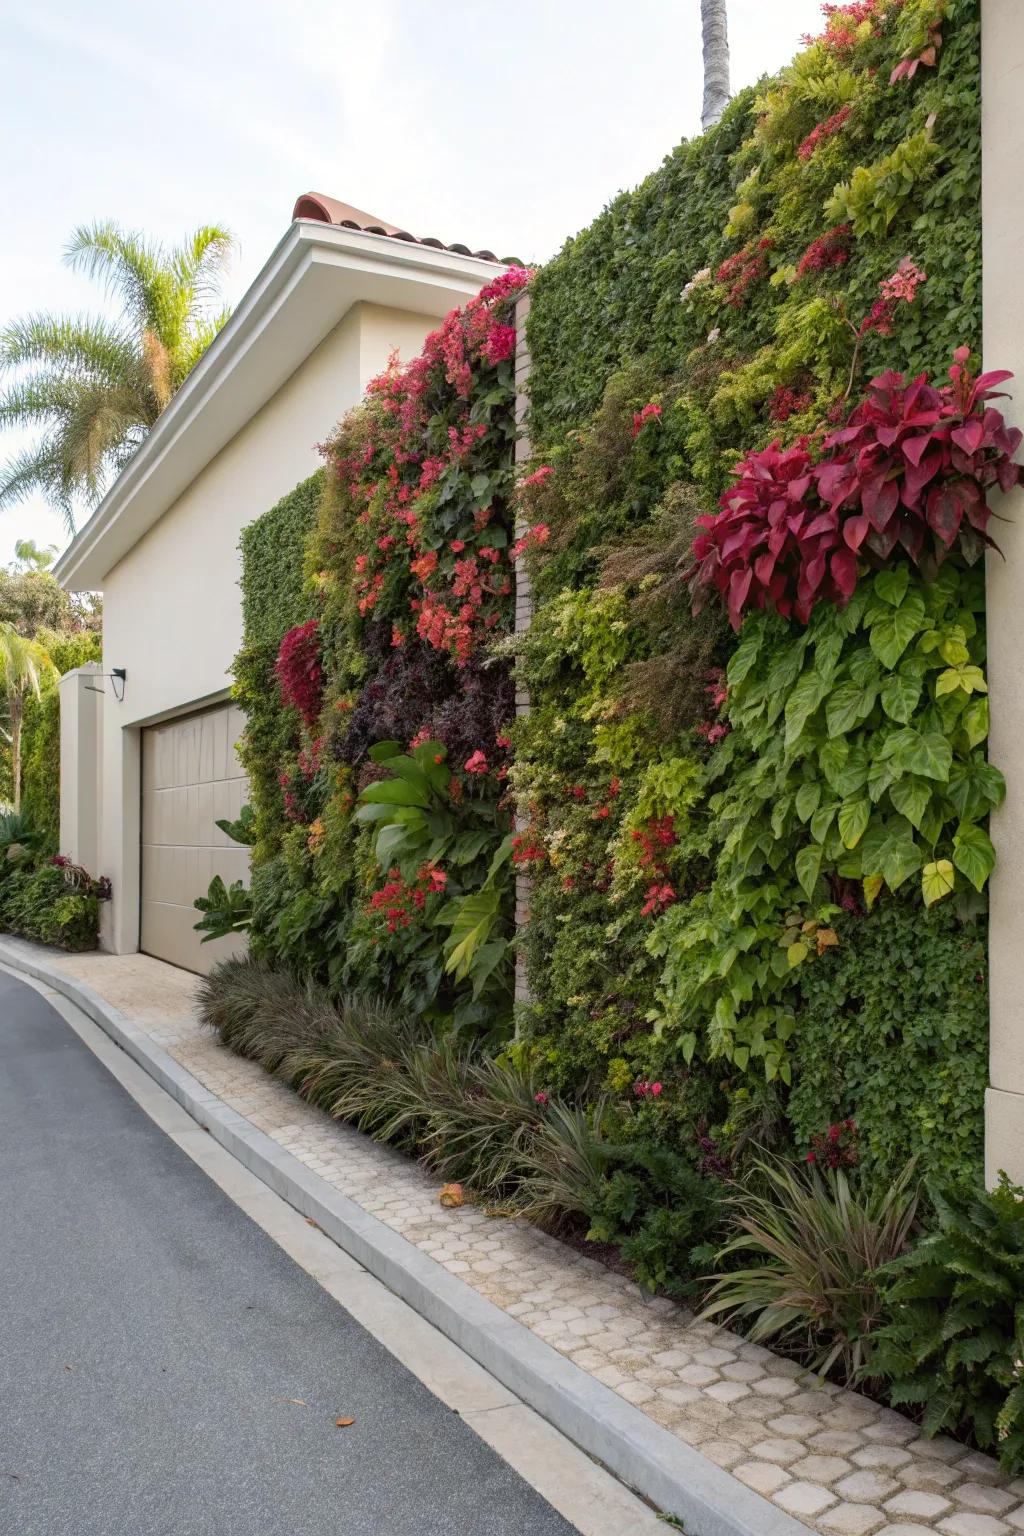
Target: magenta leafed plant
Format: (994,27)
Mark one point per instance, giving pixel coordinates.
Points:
(911,470)
(300,673)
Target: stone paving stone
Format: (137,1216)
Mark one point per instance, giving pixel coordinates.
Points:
(821,1469)
(881,1456)
(924,1506)
(762,1476)
(783,1452)
(867,1486)
(968,1524)
(856,1520)
(831,1458)
(804,1499)
(985,1499)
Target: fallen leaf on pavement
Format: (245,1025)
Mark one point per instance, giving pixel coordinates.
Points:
(451,1195)
(344,1423)
(299,1401)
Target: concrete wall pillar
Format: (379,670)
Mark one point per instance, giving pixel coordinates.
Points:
(524,604)
(81,737)
(1003,295)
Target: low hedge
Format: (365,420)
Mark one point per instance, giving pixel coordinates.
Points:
(55,903)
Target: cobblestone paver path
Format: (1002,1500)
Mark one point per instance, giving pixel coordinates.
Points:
(839,1463)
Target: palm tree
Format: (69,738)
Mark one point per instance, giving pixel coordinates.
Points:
(23,664)
(715,36)
(31,558)
(96,387)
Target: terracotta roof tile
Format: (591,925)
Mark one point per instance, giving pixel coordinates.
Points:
(328,210)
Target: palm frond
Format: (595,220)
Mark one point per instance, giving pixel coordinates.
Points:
(38,469)
(125,263)
(200,262)
(67,344)
(196,343)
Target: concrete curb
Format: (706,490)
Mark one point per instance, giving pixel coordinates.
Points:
(649,1459)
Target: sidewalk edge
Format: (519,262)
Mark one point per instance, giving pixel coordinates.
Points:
(649,1459)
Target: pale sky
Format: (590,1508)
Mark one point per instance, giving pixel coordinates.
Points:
(507,126)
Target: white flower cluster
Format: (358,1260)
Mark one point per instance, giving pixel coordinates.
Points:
(703,276)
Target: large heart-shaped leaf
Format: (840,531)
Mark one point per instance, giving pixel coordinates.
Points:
(973,853)
(937,881)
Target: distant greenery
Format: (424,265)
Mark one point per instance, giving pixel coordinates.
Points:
(94,387)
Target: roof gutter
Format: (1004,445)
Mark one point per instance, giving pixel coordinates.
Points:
(317,271)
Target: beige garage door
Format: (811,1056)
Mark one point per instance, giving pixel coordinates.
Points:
(191,776)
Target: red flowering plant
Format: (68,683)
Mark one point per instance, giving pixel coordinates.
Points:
(912,470)
(427,479)
(836,1147)
(300,672)
(738,273)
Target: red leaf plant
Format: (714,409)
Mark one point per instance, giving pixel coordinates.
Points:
(300,674)
(911,470)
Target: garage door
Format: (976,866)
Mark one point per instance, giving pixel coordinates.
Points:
(191,776)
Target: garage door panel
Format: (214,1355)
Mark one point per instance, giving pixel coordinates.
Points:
(191,776)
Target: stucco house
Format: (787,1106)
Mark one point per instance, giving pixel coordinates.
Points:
(148,759)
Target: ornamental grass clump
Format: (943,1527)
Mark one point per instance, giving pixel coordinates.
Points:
(809,1243)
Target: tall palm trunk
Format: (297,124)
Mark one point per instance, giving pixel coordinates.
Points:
(17,712)
(715,36)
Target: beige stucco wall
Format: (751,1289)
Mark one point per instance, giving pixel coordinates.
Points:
(172,607)
(1003,254)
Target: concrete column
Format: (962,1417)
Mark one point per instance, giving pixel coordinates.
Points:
(524,603)
(81,729)
(1003,266)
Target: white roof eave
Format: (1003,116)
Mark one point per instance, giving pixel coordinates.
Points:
(312,279)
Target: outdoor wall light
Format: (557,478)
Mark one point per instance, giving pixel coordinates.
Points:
(117,677)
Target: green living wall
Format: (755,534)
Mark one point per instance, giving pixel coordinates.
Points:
(273,600)
(758,848)
(753,789)
(40,742)
(371,598)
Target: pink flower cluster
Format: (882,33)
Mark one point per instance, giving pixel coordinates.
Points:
(533,538)
(739,272)
(824,131)
(299,671)
(392,470)
(645,1090)
(650,412)
(832,249)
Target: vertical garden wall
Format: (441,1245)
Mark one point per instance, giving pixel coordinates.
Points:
(750,799)
(755,772)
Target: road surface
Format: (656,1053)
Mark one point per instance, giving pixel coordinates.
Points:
(153,1341)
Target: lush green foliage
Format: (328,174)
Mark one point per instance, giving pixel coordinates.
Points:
(374,739)
(955,1346)
(274,599)
(274,595)
(47,899)
(757,863)
(894,1030)
(40,742)
(904,165)
(724,836)
(482,1121)
(225,909)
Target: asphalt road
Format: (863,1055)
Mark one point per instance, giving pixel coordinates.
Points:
(151,1336)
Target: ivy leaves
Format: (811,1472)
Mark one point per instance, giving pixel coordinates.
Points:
(856,752)
(886,736)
